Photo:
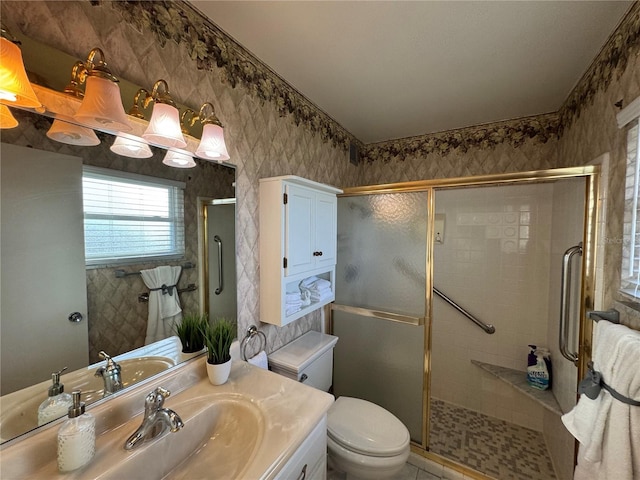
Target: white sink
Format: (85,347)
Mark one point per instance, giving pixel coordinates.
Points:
(220,437)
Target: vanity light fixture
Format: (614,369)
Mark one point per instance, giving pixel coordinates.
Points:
(70,133)
(178,160)
(164,126)
(7,120)
(102,106)
(15,88)
(212,146)
(128,147)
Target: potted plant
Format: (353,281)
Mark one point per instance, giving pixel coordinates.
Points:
(218,336)
(190,331)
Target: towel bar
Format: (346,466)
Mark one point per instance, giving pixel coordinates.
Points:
(123,273)
(144,297)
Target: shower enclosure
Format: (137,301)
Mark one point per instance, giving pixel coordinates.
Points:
(440,288)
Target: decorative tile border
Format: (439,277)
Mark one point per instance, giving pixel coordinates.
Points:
(210,47)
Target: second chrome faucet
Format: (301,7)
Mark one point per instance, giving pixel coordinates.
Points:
(157,419)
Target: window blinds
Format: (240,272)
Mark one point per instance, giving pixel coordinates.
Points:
(131,217)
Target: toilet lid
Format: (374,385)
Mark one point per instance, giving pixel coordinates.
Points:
(366,428)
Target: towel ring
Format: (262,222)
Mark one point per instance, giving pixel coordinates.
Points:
(252,331)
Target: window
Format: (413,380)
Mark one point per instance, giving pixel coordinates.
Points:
(630,275)
(131,217)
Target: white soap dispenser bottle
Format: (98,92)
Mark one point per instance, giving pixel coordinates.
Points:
(57,403)
(76,437)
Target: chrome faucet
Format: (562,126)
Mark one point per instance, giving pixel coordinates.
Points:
(110,373)
(156,419)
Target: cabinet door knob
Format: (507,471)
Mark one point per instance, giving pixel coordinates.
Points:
(317,254)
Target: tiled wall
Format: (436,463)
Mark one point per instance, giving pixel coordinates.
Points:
(495,263)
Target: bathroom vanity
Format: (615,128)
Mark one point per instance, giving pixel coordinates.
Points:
(258,425)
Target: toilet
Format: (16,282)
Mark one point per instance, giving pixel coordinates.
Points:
(363,439)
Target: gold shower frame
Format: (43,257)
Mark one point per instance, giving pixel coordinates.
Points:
(591,214)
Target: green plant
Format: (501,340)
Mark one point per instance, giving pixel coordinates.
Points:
(190,331)
(218,336)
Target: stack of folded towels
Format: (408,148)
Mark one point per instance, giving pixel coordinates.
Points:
(293,302)
(320,288)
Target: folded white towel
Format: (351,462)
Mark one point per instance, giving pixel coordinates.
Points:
(292,310)
(308,281)
(293,296)
(609,430)
(260,360)
(320,284)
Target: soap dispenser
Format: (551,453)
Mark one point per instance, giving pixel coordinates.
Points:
(76,437)
(57,403)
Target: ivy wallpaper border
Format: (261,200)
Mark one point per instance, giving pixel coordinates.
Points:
(210,47)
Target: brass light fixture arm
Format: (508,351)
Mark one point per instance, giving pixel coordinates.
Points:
(135,109)
(160,94)
(73,88)
(207,117)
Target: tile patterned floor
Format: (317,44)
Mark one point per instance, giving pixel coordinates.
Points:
(409,472)
(494,447)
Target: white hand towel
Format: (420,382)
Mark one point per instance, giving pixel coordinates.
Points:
(164,309)
(609,430)
(260,360)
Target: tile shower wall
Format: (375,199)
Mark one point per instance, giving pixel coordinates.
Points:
(260,141)
(117,321)
(494,262)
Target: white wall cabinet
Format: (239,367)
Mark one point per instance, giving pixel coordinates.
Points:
(298,243)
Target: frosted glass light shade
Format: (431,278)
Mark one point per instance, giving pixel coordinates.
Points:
(178,160)
(164,127)
(72,134)
(7,120)
(102,106)
(131,148)
(212,146)
(14,84)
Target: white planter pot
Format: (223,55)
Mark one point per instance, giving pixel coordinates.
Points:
(218,374)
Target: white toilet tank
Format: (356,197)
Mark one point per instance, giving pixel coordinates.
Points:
(308,359)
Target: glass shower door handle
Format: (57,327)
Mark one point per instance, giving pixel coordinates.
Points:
(565,303)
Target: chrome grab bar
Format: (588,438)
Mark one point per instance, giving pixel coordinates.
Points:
(565,303)
(487,327)
(220,285)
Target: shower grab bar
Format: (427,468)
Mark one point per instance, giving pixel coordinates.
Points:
(565,303)
(218,240)
(487,327)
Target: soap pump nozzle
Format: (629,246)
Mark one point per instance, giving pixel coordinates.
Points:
(78,407)
(57,388)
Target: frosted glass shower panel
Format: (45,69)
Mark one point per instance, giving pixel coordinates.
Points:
(382,252)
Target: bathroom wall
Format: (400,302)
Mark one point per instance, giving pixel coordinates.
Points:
(590,130)
(270,129)
(117,321)
(494,262)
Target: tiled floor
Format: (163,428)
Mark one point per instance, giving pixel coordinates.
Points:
(494,447)
(409,472)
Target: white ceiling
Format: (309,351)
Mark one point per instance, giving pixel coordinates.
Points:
(395,69)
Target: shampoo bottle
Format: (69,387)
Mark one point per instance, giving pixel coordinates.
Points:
(76,437)
(57,403)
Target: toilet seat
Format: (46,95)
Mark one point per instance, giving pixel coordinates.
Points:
(366,428)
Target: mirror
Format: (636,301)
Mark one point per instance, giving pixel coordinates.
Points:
(109,297)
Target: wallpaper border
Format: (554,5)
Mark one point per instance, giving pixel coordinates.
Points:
(211,47)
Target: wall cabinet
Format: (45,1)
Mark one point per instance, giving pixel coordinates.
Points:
(298,243)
